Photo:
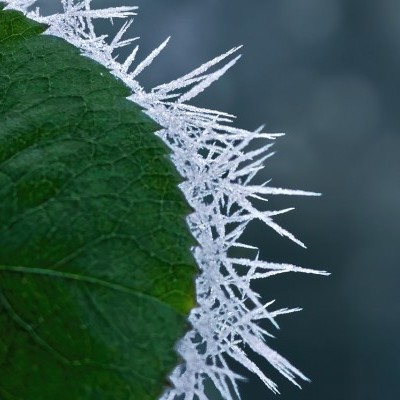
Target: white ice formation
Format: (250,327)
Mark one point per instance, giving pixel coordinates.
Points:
(218,168)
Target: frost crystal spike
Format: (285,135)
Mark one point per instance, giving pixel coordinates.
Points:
(218,169)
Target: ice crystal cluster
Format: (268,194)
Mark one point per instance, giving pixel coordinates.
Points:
(217,165)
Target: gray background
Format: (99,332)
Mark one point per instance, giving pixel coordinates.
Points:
(326,72)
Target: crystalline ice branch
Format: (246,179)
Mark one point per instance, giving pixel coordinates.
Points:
(218,168)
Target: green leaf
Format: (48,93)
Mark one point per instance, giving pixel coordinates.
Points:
(96,275)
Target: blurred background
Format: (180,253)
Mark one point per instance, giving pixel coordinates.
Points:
(326,73)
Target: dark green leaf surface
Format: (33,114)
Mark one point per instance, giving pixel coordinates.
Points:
(96,276)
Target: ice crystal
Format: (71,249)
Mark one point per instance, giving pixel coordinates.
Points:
(218,166)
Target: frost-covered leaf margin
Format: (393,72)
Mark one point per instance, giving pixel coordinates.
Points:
(218,166)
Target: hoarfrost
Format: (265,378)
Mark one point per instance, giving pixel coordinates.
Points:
(218,168)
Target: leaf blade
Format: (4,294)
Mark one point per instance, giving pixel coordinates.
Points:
(88,195)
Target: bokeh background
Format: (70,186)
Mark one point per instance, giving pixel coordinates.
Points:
(326,72)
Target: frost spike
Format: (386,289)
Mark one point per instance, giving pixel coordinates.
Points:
(116,41)
(200,70)
(207,81)
(128,62)
(149,59)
